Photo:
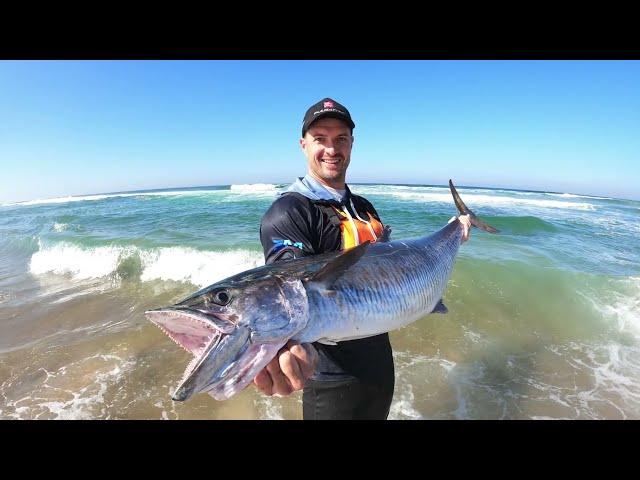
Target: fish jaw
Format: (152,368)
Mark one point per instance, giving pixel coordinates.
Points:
(198,333)
(225,359)
(192,330)
(215,365)
(243,371)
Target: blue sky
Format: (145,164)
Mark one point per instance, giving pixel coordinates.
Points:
(78,127)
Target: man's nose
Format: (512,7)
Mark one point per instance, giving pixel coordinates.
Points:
(329,147)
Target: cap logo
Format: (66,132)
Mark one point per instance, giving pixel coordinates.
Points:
(328,105)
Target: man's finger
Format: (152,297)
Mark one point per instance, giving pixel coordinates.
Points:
(307,357)
(466,227)
(281,385)
(291,369)
(263,382)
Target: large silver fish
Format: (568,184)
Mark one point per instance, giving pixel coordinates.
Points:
(236,326)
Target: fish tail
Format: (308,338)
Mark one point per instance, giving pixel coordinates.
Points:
(464,210)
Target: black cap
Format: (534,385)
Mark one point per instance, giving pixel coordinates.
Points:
(326,108)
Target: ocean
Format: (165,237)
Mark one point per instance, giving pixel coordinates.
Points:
(543,322)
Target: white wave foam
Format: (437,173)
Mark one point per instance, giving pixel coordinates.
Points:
(57,200)
(255,187)
(173,263)
(624,308)
(269,408)
(492,201)
(260,189)
(388,189)
(84,403)
(60,227)
(573,195)
(612,363)
(475,196)
(411,394)
(83,198)
(64,258)
(198,267)
(74,391)
(613,390)
(402,406)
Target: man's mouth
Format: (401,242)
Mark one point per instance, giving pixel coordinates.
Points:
(333,161)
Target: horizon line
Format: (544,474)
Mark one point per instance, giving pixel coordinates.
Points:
(16,203)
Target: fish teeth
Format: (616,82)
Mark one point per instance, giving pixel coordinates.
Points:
(166,332)
(172,339)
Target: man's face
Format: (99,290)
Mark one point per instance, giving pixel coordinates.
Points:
(327,146)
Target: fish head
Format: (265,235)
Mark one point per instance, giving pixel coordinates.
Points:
(233,328)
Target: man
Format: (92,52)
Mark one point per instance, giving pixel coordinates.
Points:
(318,214)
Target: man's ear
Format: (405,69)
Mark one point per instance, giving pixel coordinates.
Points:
(303,143)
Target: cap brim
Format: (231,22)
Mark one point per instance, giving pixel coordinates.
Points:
(344,118)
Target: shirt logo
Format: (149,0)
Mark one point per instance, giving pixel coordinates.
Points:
(279,244)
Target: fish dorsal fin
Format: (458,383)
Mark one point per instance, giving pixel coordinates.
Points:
(324,278)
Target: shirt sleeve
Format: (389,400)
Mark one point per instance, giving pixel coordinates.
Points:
(286,230)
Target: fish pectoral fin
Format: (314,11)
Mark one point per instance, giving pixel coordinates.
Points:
(440,308)
(324,278)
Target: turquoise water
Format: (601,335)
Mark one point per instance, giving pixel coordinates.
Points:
(544,318)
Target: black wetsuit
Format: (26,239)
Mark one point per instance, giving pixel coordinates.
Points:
(354,379)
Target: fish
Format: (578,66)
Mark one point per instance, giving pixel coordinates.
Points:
(234,327)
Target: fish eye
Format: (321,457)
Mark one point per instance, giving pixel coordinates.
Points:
(221,297)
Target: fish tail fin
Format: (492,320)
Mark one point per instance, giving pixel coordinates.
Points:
(464,210)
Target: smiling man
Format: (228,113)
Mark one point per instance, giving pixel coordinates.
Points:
(318,214)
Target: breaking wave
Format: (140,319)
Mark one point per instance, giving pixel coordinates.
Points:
(198,267)
(260,189)
(442,195)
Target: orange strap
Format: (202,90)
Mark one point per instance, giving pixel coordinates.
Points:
(363,229)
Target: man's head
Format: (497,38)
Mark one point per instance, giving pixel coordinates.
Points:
(327,139)
(326,108)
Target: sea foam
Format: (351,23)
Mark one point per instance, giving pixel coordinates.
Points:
(260,189)
(254,187)
(432,194)
(198,267)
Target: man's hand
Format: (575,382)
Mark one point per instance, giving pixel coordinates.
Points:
(466,223)
(288,370)
(466,226)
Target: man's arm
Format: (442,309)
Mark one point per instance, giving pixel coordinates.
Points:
(285,233)
(286,230)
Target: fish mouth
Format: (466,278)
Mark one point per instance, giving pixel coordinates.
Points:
(225,360)
(197,332)
(191,329)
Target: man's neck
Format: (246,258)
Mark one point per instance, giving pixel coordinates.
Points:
(335,185)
